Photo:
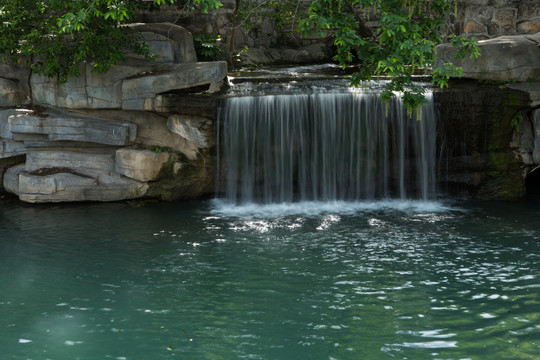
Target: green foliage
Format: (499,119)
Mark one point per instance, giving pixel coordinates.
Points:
(55,36)
(402,45)
(284,13)
(206,47)
(156,149)
(441,75)
(465,46)
(515,123)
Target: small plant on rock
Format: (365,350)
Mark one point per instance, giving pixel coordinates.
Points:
(206,46)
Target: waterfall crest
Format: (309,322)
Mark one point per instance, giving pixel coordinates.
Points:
(324,146)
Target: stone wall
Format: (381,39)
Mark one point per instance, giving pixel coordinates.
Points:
(259,43)
(263,43)
(485,19)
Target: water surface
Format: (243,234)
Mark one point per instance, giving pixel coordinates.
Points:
(204,280)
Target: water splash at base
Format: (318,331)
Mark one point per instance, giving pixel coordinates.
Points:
(315,208)
(324,146)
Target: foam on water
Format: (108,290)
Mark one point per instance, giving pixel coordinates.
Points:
(315,208)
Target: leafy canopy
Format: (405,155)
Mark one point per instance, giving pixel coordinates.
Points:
(58,35)
(403,43)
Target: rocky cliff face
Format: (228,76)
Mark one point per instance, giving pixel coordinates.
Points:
(114,136)
(147,129)
(489,119)
(486,140)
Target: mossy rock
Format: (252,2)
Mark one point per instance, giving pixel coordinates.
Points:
(504,178)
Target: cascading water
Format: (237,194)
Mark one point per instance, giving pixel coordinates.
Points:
(324,145)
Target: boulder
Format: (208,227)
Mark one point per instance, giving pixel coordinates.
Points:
(127,87)
(140,92)
(171,43)
(314,53)
(93,159)
(65,185)
(49,184)
(506,58)
(142,165)
(88,91)
(191,128)
(256,56)
(160,46)
(71,127)
(152,129)
(134,84)
(5,133)
(11,148)
(11,179)
(70,187)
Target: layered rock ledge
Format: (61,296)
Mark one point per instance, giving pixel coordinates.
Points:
(110,137)
(506,58)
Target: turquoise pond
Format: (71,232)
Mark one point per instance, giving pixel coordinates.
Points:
(204,280)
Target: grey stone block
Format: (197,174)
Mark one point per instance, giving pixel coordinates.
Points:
(73,159)
(68,187)
(142,165)
(71,128)
(32,184)
(506,58)
(178,38)
(139,93)
(88,91)
(11,148)
(191,128)
(71,187)
(160,46)
(5,132)
(11,179)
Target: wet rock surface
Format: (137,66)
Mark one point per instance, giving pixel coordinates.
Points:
(486,139)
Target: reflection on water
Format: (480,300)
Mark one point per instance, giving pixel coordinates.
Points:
(381,280)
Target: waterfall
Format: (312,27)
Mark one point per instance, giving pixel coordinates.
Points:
(324,146)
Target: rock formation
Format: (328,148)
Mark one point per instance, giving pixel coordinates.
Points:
(507,58)
(491,125)
(108,137)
